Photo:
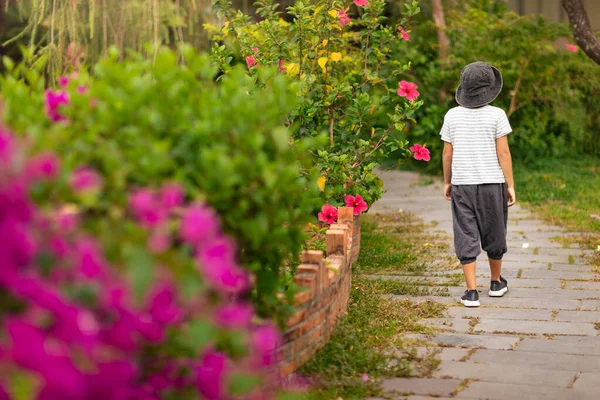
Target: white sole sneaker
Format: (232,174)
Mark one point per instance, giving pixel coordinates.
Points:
(498,293)
(470,303)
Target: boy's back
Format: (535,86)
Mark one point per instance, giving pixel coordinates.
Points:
(473,133)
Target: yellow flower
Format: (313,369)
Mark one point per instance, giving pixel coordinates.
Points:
(321,183)
(336,56)
(283,23)
(292,68)
(322,61)
(333,13)
(318,9)
(324,43)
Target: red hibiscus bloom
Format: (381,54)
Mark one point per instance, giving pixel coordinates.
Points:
(328,214)
(357,202)
(421,153)
(408,90)
(361,3)
(343,18)
(251,61)
(571,47)
(404,34)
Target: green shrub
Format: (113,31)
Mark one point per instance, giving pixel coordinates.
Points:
(141,123)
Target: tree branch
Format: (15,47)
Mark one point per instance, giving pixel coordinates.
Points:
(582,30)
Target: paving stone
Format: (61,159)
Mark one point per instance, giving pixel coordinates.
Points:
(566,362)
(499,373)
(536,327)
(472,340)
(421,386)
(535,292)
(419,299)
(493,390)
(578,316)
(549,283)
(561,345)
(449,324)
(425,398)
(588,382)
(593,305)
(532,273)
(583,285)
(530,302)
(501,313)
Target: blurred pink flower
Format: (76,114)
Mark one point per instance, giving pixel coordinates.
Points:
(159,242)
(146,207)
(250,61)
(90,262)
(211,375)
(364,377)
(85,179)
(63,81)
(357,202)
(171,195)
(43,166)
(55,99)
(408,90)
(328,214)
(198,225)
(281,68)
(404,34)
(421,153)
(343,18)
(571,47)
(265,340)
(216,262)
(361,3)
(82,89)
(163,305)
(234,315)
(6,147)
(67,219)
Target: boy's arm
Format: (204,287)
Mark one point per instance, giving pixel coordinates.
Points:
(505,160)
(447,162)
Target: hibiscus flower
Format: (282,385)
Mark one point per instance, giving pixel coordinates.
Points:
(408,90)
(343,18)
(420,152)
(404,34)
(356,202)
(328,214)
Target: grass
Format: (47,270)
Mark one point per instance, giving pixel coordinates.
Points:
(369,339)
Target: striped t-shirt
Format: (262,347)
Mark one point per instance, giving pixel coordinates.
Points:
(473,133)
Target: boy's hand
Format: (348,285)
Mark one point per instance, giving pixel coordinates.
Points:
(512,197)
(448,191)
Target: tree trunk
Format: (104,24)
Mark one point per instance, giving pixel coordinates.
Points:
(440,23)
(584,36)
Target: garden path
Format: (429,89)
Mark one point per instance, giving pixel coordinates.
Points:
(540,341)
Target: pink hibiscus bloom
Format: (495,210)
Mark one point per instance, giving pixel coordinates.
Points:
(361,3)
(328,214)
(250,61)
(421,153)
(357,202)
(343,18)
(571,47)
(281,67)
(404,34)
(408,90)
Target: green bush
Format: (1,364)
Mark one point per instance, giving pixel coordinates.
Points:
(140,123)
(548,92)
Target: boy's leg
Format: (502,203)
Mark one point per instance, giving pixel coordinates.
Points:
(492,216)
(466,233)
(495,269)
(469,271)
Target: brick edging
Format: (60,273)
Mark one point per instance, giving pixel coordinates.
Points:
(326,283)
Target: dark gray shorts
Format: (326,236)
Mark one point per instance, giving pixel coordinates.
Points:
(480,214)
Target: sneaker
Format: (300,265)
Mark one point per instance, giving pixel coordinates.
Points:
(498,288)
(470,298)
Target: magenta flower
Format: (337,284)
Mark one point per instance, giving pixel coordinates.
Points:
(404,34)
(421,153)
(146,208)
(218,267)
(211,375)
(63,81)
(90,261)
(265,340)
(163,305)
(198,225)
(54,100)
(67,218)
(234,315)
(408,90)
(357,202)
(171,195)
(82,89)
(571,47)
(361,3)
(159,242)
(85,179)
(343,18)
(328,214)
(43,166)
(281,68)
(6,147)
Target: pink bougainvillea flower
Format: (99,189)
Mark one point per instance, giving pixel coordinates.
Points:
(55,99)
(67,218)
(63,81)
(265,340)
(421,152)
(571,47)
(85,179)
(328,214)
(163,305)
(82,89)
(90,261)
(43,166)
(216,263)
(357,202)
(6,147)
(159,242)
(171,195)
(408,90)
(361,3)
(404,34)
(146,208)
(211,375)
(343,18)
(234,315)
(281,68)
(198,225)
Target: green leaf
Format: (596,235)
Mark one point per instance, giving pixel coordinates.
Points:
(140,267)
(243,384)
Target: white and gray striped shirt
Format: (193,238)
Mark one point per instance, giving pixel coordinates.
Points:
(473,133)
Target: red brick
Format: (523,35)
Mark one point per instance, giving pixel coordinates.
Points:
(301,298)
(311,257)
(296,317)
(337,242)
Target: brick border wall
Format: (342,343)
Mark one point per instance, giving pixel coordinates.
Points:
(326,283)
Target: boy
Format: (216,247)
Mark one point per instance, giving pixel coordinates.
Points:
(478,175)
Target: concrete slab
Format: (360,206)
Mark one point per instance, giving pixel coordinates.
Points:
(474,340)
(561,345)
(502,391)
(566,362)
(501,313)
(535,327)
(420,386)
(578,316)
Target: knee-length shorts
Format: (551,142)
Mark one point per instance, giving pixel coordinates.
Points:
(480,216)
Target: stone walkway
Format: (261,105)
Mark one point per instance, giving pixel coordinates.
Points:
(540,341)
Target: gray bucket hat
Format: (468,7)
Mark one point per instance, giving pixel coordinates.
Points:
(480,84)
